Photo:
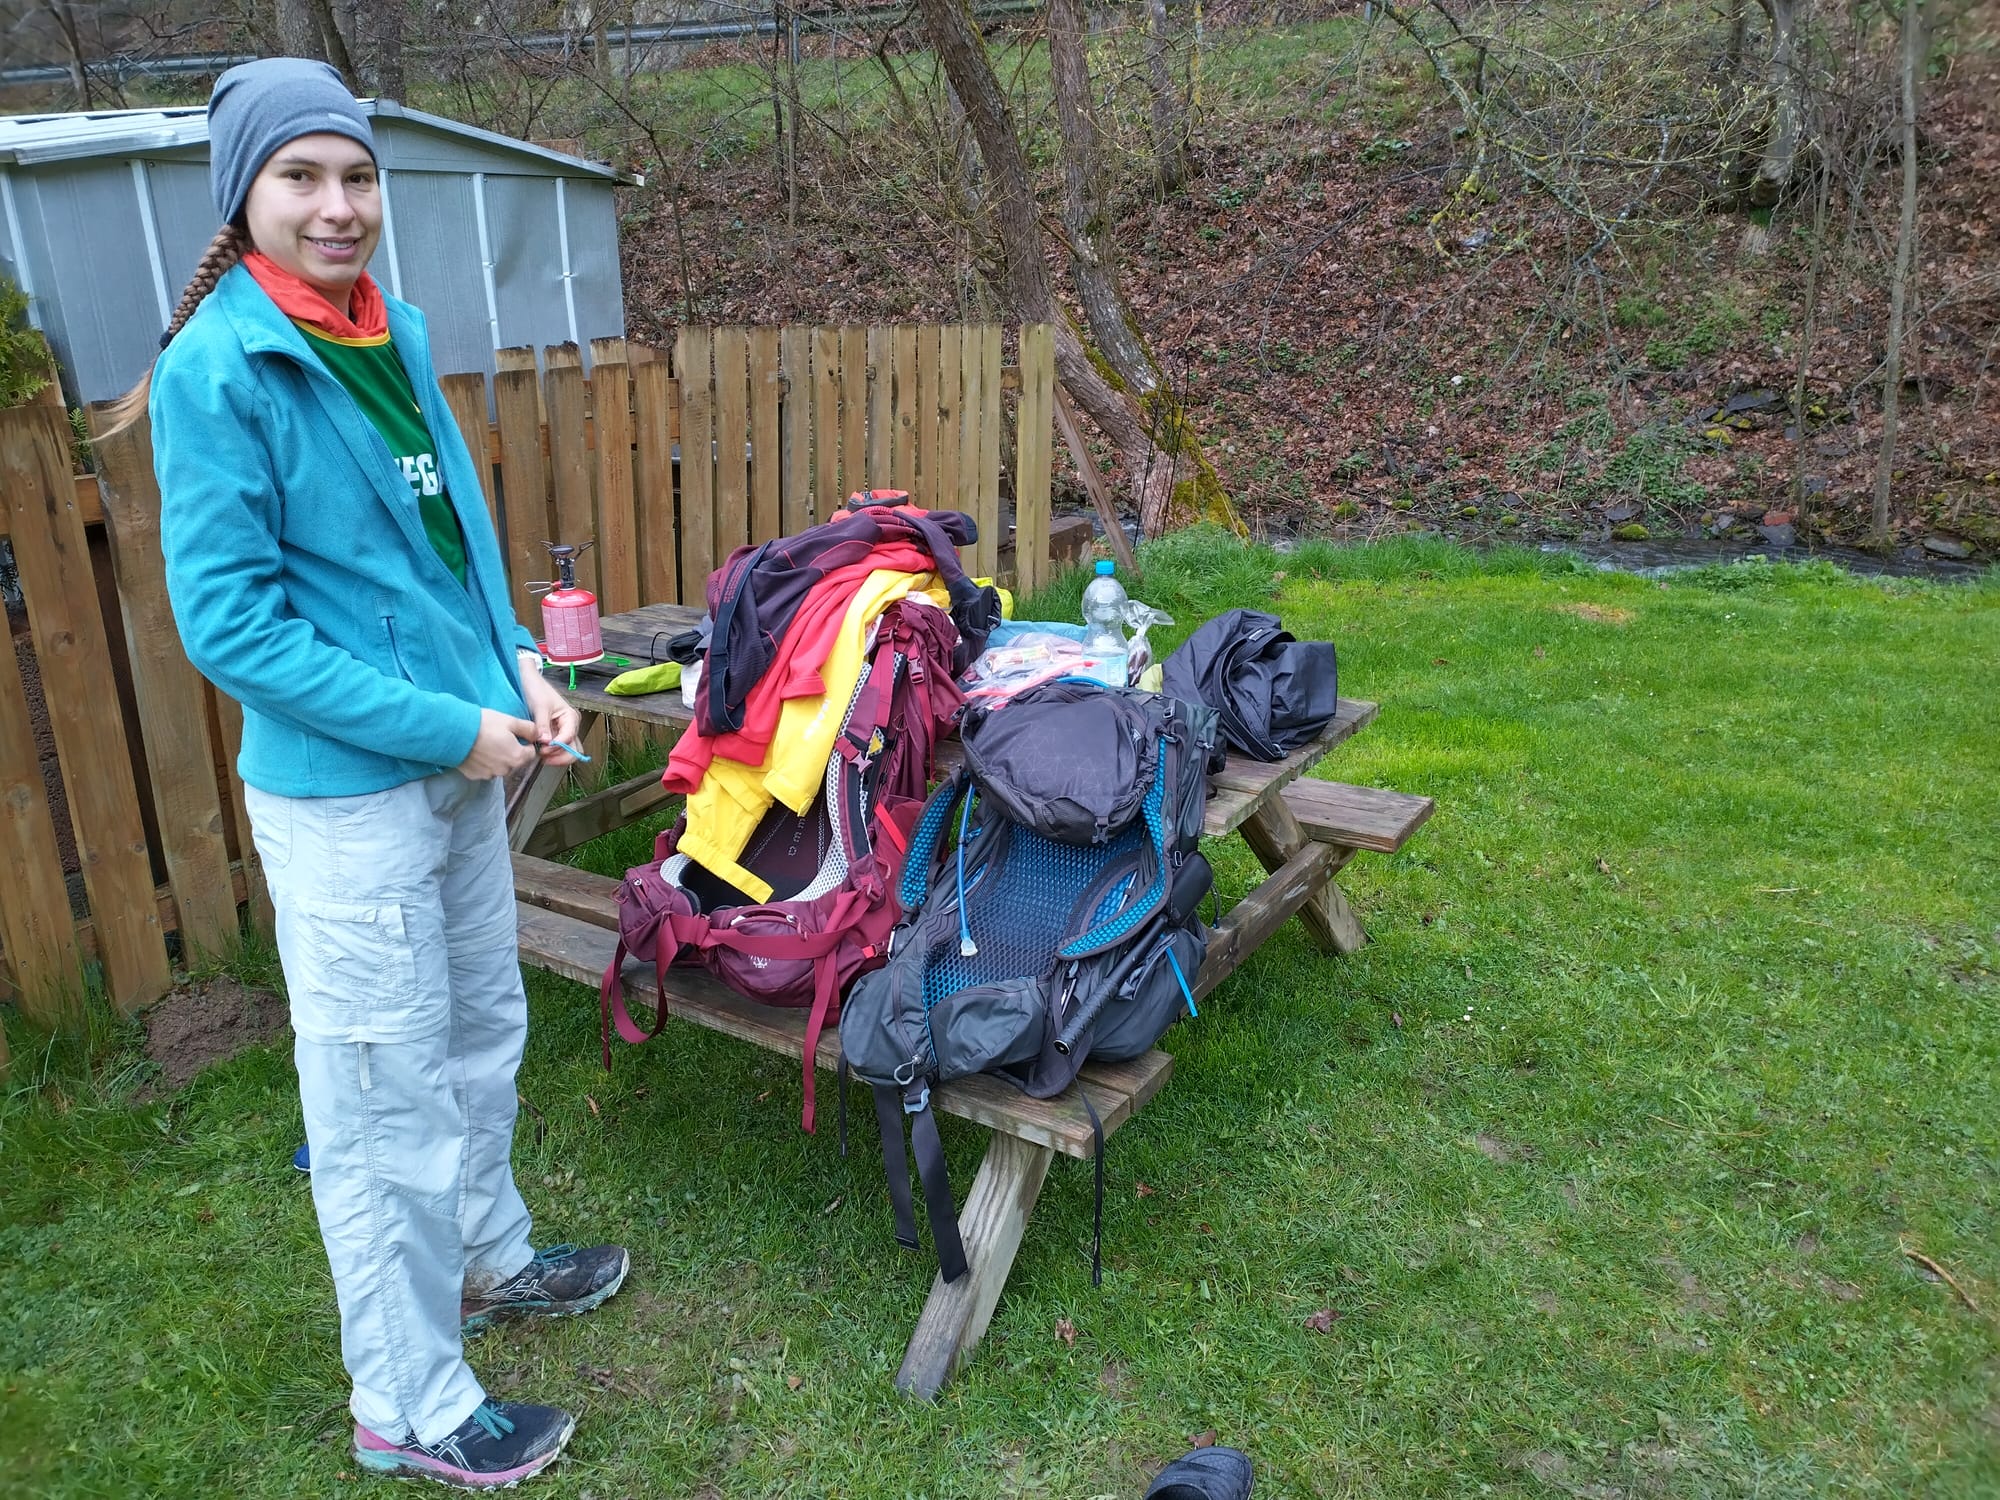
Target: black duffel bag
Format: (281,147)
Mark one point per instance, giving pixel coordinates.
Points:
(1272,691)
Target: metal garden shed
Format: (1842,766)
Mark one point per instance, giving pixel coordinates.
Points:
(500,242)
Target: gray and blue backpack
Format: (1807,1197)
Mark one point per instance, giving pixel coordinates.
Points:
(1052,893)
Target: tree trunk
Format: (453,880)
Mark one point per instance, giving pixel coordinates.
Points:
(79,71)
(1155,444)
(1786,80)
(308,29)
(1093,249)
(1899,279)
(1170,114)
(385,24)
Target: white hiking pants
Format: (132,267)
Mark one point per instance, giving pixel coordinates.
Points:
(396,929)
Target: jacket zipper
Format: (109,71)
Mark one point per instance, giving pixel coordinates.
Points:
(396,651)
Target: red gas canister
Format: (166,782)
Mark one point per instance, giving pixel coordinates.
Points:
(569,613)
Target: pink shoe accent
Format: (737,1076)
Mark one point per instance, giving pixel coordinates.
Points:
(416,1460)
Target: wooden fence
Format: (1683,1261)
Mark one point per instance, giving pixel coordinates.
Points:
(121,815)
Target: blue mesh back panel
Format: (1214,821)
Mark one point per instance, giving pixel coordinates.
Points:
(1021,909)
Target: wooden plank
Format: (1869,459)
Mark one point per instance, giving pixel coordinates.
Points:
(880,463)
(1095,485)
(173,716)
(581,950)
(71,648)
(766,461)
(929,363)
(563,395)
(854,389)
(732,438)
(905,395)
(37,931)
(827,492)
(985,559)
(698,537)
(1274,836)
(1031,455)
(991,1224)
(1364,816)
(986,417)
(228,720)
(466,396)
(949,394)
(1242,785)
(795,429)
(524,490)
(617,502)
(88,505)
(653,399)
(1247,924)
(600,813)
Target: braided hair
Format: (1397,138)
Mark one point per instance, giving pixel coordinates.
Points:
(225,250)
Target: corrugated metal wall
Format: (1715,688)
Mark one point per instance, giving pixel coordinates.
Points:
(106,264)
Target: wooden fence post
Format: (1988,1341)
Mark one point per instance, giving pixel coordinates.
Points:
(826,422)
(173,717)
(903,397)
(767,463)
(986,416)
(466,396)
(698,539)
(36,927)
(523,481)
(795,430)
(880,375)
(1032,453)
(732,440)
(569,460)
(73,651)
(617,509)
(855,475)
(654,401)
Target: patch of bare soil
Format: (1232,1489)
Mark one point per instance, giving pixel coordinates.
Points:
(209,1022)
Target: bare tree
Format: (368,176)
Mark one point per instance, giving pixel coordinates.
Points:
(307,28)
(1138,414)
(1899,279)
(1170,105)
(79,70)
(1785,84)
(385,35)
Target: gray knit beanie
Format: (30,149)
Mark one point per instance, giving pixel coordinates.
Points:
(258,106)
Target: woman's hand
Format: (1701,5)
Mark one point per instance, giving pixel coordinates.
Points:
(501,747)
(554,718)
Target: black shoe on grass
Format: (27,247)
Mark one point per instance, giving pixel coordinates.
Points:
(498,1446)
(557,1283)
(1205,1474)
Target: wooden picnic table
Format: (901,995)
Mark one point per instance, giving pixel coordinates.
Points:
(1302,831)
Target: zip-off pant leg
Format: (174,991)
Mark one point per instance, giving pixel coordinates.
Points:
(407,1004)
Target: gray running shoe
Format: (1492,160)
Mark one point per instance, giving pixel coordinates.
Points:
(498,1446)
(558,1283)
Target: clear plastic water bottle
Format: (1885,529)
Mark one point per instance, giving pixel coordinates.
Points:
(1104,618)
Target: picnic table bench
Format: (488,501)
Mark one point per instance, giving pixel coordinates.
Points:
(1302,831)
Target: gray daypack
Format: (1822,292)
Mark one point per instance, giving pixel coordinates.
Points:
(1063,925)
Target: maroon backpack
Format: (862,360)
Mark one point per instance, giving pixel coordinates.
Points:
(833,870)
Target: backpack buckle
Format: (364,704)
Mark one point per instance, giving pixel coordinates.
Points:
(918,1100)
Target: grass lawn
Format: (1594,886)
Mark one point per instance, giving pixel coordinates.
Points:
(1677,1037)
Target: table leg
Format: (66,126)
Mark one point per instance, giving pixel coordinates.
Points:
(530,792)
(1274,836)
(991,1224)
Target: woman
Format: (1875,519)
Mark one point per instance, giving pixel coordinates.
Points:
(332,567)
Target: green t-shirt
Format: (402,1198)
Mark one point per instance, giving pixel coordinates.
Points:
(375,378)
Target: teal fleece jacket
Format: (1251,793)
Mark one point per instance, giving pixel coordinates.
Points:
(301,578)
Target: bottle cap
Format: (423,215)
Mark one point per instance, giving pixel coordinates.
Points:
(1105,567)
